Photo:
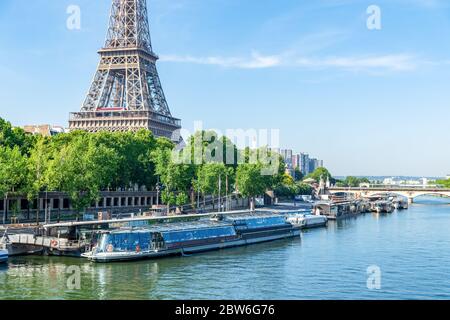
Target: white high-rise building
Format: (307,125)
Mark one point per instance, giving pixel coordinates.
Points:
(304,163)
(286,154)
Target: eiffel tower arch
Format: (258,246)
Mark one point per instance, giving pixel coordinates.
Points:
(126,92)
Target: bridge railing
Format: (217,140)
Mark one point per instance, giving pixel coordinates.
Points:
(394,187)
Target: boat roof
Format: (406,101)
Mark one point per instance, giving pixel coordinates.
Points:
(171,227)
(134,219)
(194,225)
(253,216)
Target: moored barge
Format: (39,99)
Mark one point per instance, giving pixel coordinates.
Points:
(188,238)
(382,206)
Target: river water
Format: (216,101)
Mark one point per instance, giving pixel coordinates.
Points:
(407,250)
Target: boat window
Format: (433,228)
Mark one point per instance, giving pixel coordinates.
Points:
(189,235)
(261,222)
(132,241)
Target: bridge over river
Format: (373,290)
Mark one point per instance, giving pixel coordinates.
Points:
(408,192)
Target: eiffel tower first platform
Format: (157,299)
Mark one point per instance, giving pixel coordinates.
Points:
(126,92)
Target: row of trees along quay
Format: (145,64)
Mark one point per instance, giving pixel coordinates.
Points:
(83,164)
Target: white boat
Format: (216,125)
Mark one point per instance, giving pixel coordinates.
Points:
(400,203)
(382,206)
(308,220)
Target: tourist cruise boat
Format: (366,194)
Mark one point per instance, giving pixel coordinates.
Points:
(190,237)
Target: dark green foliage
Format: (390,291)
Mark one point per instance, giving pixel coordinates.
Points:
(351,182)
(83,164)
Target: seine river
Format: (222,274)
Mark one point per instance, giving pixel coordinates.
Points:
(410,249)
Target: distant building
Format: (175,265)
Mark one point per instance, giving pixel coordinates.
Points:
(296,161)
(45,130)
(320,163)
(304,163)
(300,161)
(314,164)
(390,181)
(399,181)
(286,154)
(412,182)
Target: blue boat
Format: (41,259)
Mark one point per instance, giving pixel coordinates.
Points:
(3,255)
(3,251)
(187,238)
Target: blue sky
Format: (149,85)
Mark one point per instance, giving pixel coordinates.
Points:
(368,102)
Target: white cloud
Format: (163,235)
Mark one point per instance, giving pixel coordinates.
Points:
(256,61)
(398,62)
(393,62)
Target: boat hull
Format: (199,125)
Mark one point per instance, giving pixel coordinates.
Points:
(23,249)
(309,221)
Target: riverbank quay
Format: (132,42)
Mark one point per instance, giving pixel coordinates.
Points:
(49,207)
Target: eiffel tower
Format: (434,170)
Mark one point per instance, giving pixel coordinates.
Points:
(126,92)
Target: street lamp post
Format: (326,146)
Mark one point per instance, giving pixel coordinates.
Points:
(158,188)
(5,205)
(220,183)
(198,198)
(226,194)
(46,206)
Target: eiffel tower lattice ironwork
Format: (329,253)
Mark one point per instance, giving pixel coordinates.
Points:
(126,92)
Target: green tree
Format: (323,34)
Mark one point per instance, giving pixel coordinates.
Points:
(291,188)
(320,173)
(250,182)
(298,175)
(134,151)
(82,169)
(177,178)
(13,172)
(351,182)
(443,183)
(37,179)
(12,137)
(209,175)
(304,189)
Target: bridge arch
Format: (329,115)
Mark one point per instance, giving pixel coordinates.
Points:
(401,194)
(443,194)
(410,194)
